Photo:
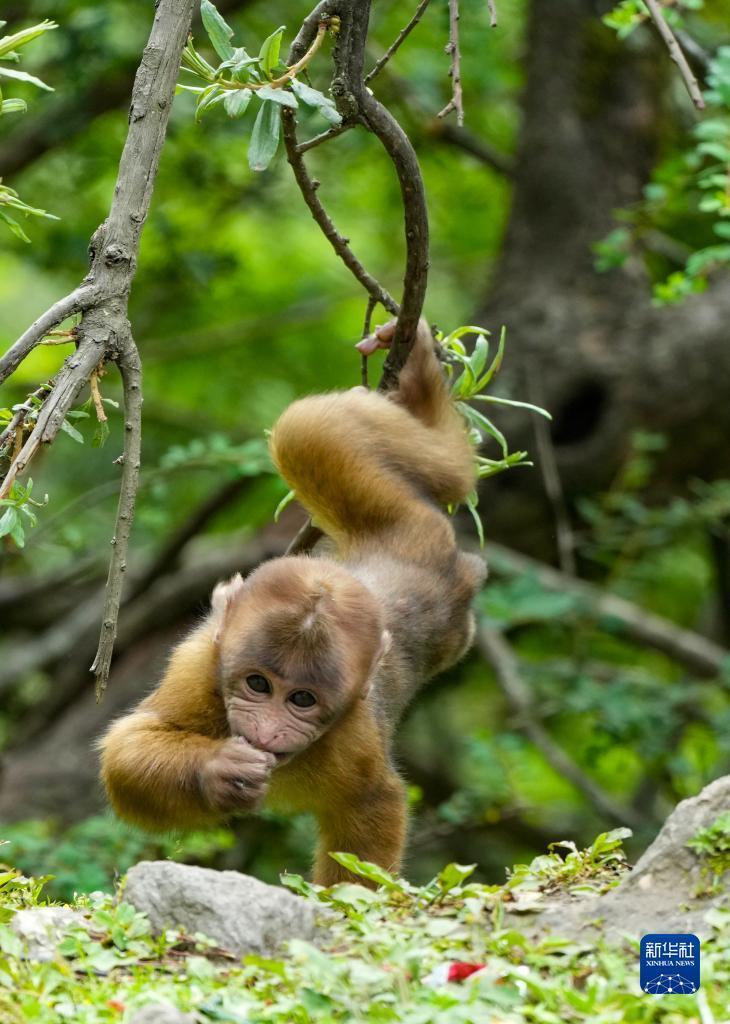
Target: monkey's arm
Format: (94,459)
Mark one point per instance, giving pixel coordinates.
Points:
(171,763)
(367,466)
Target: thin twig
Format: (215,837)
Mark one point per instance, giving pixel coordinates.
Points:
(463,139)
(366,329)
(623,617)
(308,188)
(676,53)
(398,41)
(96,397)
(331,133)
(452,47)
(551,481)
(501,657)
(71,378)
(131,371)
(492,8)
(75,302)
(291,72)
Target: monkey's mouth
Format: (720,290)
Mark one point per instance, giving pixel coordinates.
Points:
(281,758)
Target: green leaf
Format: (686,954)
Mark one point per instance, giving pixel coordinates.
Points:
(297,884)
(265,136)
(72,432)
(8,520)
(317,100)
(363,868)
(236,103)
(513,402)
(213,94)
(219,32)
(14,226)
(13,106)
(453,875)
(100,434)
(23,76)
(471,503)
(496,362)
(286,500)
(281,96)
(269,52)
(26,35)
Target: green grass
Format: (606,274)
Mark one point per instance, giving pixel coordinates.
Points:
(375,962)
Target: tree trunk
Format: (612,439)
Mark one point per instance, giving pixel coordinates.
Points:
(590,346)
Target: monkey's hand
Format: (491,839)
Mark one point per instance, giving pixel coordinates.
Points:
(236,776)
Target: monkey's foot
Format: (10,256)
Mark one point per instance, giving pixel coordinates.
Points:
(381,337)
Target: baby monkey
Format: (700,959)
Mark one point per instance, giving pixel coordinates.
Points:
(289,691)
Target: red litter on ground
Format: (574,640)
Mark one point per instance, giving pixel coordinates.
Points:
(458,970)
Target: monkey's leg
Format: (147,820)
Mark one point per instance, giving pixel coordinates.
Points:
(372,827)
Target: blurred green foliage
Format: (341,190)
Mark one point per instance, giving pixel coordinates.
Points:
(239,305)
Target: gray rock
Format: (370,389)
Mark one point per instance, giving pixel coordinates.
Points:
(40,929)
(161,1013)
(660,893)
(240,913)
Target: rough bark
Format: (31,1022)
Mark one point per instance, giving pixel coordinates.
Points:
(607,362)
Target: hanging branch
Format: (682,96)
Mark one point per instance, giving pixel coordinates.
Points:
(357,104)
(501,657)
(397,42)
(452,47)
(104,334)
(676,53)
(492,8)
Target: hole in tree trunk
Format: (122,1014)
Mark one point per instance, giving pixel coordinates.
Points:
(579,416)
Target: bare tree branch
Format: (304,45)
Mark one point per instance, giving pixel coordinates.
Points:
(696,652)
(468,142)
(398,41)
(331,133)
(492,8)
(308,187)
(104,333)
(500,656)
(676,53)
(452,47)
(131,370)
(75,302)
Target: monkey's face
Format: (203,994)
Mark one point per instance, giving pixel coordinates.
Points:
(278,715)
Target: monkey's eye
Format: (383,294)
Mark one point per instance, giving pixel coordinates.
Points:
(303,699)
(259,684)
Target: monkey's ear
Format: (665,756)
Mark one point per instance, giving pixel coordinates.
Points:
(384,646)
(221,600)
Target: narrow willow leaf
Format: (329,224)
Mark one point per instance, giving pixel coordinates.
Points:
(496,362)
(269,53)
(471,504)
(14,226)
(280,96)
(219,32)
(479,356)
(26,35)
(72,432)
(236,103)
(100,434)
(13,106)
(265,136)
(23,76)
(213,94)
(286,500)
(317,100)
(513,402)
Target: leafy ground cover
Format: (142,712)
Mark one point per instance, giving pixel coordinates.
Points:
(382,959)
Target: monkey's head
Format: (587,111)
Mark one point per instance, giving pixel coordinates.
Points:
(298,642)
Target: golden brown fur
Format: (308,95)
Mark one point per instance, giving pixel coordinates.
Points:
(361,631)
